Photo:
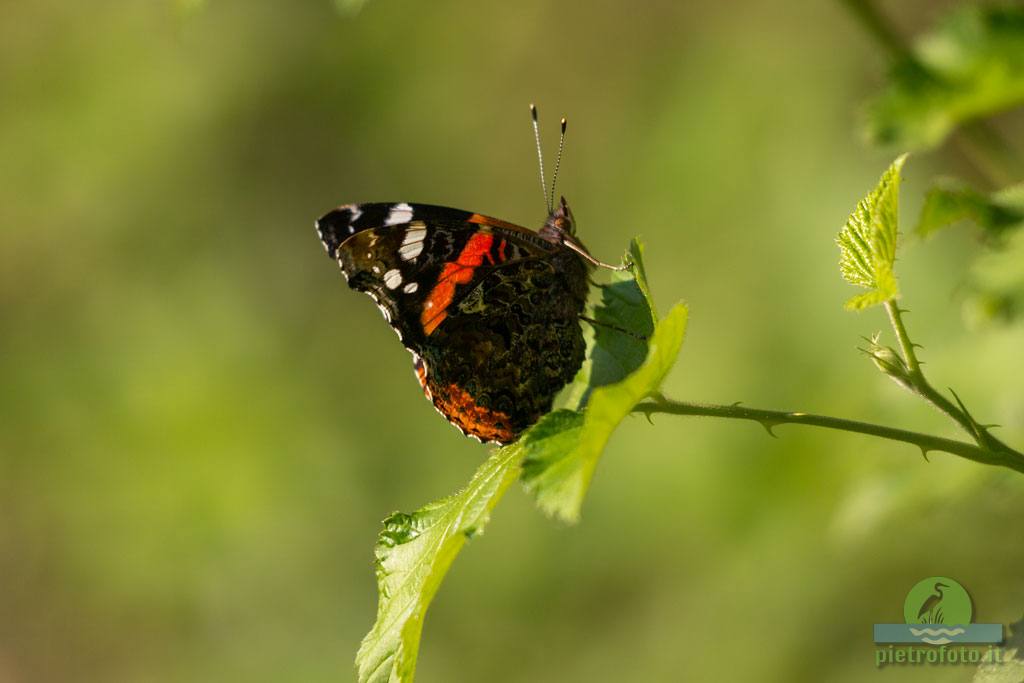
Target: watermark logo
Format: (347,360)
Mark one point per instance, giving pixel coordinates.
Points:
(937,613)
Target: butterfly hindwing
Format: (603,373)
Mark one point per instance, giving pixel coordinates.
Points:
(519,340)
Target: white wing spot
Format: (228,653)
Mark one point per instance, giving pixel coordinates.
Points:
(409,252)
(392,278)
(353,215)
(412,243)
(410,288)
(400,213)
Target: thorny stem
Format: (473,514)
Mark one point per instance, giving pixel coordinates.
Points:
(919,385)
(769,418)
(906,346)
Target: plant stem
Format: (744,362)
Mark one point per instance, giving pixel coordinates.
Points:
(906,346)
(919,384)
(770,418)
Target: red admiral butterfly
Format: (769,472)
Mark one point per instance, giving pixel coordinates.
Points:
(489,310)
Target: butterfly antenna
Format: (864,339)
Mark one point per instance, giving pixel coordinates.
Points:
(540,157)
(558,164)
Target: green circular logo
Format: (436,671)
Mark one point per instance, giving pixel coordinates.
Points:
(938,600)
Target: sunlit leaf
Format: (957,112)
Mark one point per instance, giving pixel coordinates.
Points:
(413,555)
(867,242)
(951,202)
(971,66)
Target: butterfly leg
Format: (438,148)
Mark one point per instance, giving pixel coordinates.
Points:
(598,323)
(593,261)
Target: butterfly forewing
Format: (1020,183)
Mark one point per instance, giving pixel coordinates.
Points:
(417,260)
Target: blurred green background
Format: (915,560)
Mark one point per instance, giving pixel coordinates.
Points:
(201,427)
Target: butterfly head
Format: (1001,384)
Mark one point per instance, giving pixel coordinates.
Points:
(560,224)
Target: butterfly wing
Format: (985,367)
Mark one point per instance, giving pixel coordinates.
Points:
(417,260)
(488,309)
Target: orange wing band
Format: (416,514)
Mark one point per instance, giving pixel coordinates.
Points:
(458,272)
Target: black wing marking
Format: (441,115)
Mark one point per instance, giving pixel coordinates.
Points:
(338,225)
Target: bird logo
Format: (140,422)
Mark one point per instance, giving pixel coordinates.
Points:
(931,609)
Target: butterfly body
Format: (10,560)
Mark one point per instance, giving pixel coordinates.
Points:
(489,310)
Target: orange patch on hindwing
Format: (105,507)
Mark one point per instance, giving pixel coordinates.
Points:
(457,272)
(459,407)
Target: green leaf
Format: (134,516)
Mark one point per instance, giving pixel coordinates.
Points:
(867,242)
(625,304)
(635,257)
(556,458)
(951,202)
(562,450)
(1010,666)
(413,555)
(548,467)
(972,66)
